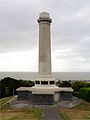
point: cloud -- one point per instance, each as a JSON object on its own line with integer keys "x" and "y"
{"x": 18, "y": 41}
{"x": 70, "y": 29}
{"x": 19, "y": 61}
{"x": 18, "y": 29}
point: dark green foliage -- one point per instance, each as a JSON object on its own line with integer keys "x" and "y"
{"x": 81, "y": 90}
{"x": 78, "y": 84}
{"x": 84, "y": 93}
{"x": 8, "y": 85}
{"x": 88, "y": 85}
{"x": 76, "y": 94}
{"x": 26, "y": 83}
{"x": 63, "y": 84}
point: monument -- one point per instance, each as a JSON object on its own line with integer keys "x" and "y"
{"x": 45, "y": 78}
{"x": 45, "y": 90}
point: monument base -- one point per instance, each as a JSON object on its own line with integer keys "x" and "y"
{"x": 44, "y": 96}
{"x": 42, "y": 99}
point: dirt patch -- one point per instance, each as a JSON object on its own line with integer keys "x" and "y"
{"x": 77, "y": 114}
{"x": 80, "y": 112}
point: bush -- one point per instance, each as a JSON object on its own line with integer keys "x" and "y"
{"x": 76, "y": 94}
{"x": 84, "y": 93}
{"x": 88, "y": 85}
{"x": 63, "y": 84}
{"x": 78, "y": 84}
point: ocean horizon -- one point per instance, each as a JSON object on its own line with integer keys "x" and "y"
{"x": 56, "y": 75}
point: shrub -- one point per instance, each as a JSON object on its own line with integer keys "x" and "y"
{"x": 78, "y": 84}
{"x": 63, "y": 84}
{"x": 76, "y": 94}
{"x": 84, "y": 93}
{"x": 88, "y": 85}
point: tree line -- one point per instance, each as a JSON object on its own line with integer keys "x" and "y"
{"x": 9, "y": 85}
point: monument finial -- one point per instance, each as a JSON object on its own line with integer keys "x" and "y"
{"x": 44, "y": 16}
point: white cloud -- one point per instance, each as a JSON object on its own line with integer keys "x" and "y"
{"x": 19, "y": 61}
{"x": 70, "y": 34}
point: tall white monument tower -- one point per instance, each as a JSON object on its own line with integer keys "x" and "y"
{"x": 44, "y": 44}
{"x": 45, "y": 91}
{"x": 45, "y": 72}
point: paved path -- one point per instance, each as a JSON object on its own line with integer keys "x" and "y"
{"x": 51, "y": 114}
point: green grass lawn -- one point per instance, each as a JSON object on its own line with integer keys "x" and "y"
{"x": 4, "y": 100}
{"x": 25, "y": 114}
{"x": 6, "y": 113}
{"x": 80, "y": 112}
{"x": 83, "y": 106}
{"x": 63, "y": 115}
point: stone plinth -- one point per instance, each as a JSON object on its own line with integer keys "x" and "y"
{"x": 45, "y": 95}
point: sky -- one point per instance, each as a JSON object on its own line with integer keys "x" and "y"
{"x": 70, "y": 34}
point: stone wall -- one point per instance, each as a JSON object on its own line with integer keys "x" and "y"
{"x": 24, "y": 95}
{"x": 65, "y": 95}
{"x": 42, "y": 99}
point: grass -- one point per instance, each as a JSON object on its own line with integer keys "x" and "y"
{"x": 83, "y": 106}
{"x": 25, "y": 114}
{"x": 5, "y": 100}
{"x": 64, "y": 116}
{"x": 6, "y": 113}
{"x": 80, "y": 112}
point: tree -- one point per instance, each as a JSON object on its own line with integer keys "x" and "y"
{"x": 65, "y": 84}
{"x": 88, "y": 85}
{"x": 26, "y": 83}
{"x": 78, "y": 84}
{"x": 8, "y": 85}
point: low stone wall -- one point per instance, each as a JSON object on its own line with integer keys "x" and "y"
{"x": 24, "y": 95}
{"x": 35, "y": 98}
{"x": 42, "y": 99}
{"x": 65, "y": 95}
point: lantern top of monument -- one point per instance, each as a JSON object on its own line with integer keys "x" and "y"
{"x": 44, "y": 15}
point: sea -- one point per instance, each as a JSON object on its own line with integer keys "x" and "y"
{"x": 58, "y": 75}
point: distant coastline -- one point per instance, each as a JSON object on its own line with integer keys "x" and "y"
{"x": 57, "y": 75}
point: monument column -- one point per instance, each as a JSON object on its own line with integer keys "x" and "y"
{"x": 44, "y": 44}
